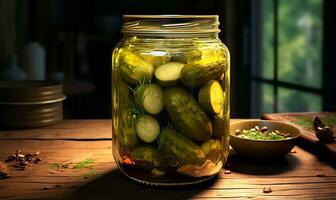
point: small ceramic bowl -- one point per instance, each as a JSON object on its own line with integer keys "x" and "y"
{"x": 263, "y": 149}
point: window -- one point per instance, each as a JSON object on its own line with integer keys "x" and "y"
{"x": 287, "y": 61}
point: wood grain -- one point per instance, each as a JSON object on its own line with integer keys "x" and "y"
{"x": 306, "y": 134}
{"x": 293, "y": 177}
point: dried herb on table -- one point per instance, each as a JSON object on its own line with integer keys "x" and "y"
{"x": 87, "y": 163}
{"x": 267, "y": 190}
{"x": 320, "y": 175}
{"x": 3, "y": 175}
{"x": 3, "y": 171}
{"x": 90, "y": 174}
{"x": 24, "y": 161}
{"x": 59, "y": 166}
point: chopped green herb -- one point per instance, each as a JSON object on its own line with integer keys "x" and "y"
{"x": 87, "y": 163}
{"x": 90, "y": 174}
{"x": 58, "y": 166}
{"x": 261, "y": 134}
{"x": 55, "y": 166}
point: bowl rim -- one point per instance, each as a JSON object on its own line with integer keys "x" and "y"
{"x": 267, "y": 121}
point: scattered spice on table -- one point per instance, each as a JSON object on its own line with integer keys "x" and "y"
{"x": 3, "y": 171}
{"x": 4, "y": 175}
{"x": 59, "y": 166}
{"x": 293, "y": 151}
{"x": 267, "y": 190}
{"x": 320, "y": 175}
{"x": 47, "y": 188}
{"x": 227, "y": 172}
{"x": 90, "y": 174}
{"x": 23, "y": 161}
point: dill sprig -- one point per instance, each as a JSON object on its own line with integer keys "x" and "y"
{"x": 139, "y": 92}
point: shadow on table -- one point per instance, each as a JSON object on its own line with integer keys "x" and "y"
{"x": 114, "y": 185}
{"x": 240, "y": 164}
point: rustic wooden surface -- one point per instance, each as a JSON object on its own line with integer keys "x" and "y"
{"x": 292, "y": 177}
{"x": 306, "y": 134}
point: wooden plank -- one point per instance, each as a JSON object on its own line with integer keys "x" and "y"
{"x": 307, "y": 134}
{"x": 67, "y": 129}
{"x": 292, "y": 177}
{"x": 298, "y": 181}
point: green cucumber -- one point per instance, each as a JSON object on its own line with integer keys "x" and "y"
{"x": 132, "y": 67}
{"x": 147, "y": 128}
{"x": 178, "y": 149}
{"x": 218, "y": 124}
{"x": 150, "y": 98}
{"x": 211, "y": 146}
{"x": 146, "y": 157}
{"x": 213, "y": 150}
{"x": 124, "y": 125}
{"x": 187, "y": 115}
{"x": 213, "y": 55}
{"x": 211, "y": 97}
{"x": 168, "y": 74}
{"x": 196, "y": 74}
{"x": 127, "y": 136}
{"x": 187, "y": 57}
{"x": 156, "y": 58}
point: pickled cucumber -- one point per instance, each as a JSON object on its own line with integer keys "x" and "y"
{"x": 156, "y": 58}
{"x": 196, "y": 74}
{"x": 188, "y": 56}
{"x": 211, "y": 97}
{"x": 126, "y": 133}
{"x": 213, "y": 150}
{"x": 168, "y": 74}
{"x": 146, "y": 157}
{"x": 178, "y": 149}
{"x": 213, "y": 55}
{"x": 133, "y": 68}
{"x": 211, "y": 146}
{"x": 218, "y": 124}
{"x": 150, "y": 98}
{"x": 147, "y": 128}
{"x": 187, "y": 115}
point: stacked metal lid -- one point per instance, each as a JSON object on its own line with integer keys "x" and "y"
{"x": 30, "y": 104}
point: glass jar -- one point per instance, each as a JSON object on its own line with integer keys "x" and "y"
{"x": 170, "y": 99}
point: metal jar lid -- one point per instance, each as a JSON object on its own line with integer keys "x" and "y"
{"x": 30, "y": 92}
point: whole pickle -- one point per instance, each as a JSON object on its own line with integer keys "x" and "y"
{"x": 133, "y": 68}
{"x": 146, "y": 157}
{"x": 187, "y": 115}
{"x": 178, "y": 149}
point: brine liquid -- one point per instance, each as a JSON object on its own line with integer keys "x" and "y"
{"x": 192, "y": 141}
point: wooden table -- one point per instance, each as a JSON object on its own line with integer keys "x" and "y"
{"x": 295, "y": 176}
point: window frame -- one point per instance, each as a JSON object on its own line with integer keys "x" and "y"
{"x": 256, "y": 62}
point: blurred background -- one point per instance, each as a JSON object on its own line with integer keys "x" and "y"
{"x": 282, "y": 51}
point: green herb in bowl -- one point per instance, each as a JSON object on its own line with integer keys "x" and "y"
{"x": 257, "y": 133}
{"x": 273, "y": 140}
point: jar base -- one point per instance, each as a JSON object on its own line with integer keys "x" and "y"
{"x": 164, "y": 180}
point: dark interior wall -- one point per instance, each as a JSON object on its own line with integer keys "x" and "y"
{"x": 80, "y": 34}
{"x": 329, "y": 54}
{"x": 91, "y": 17}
